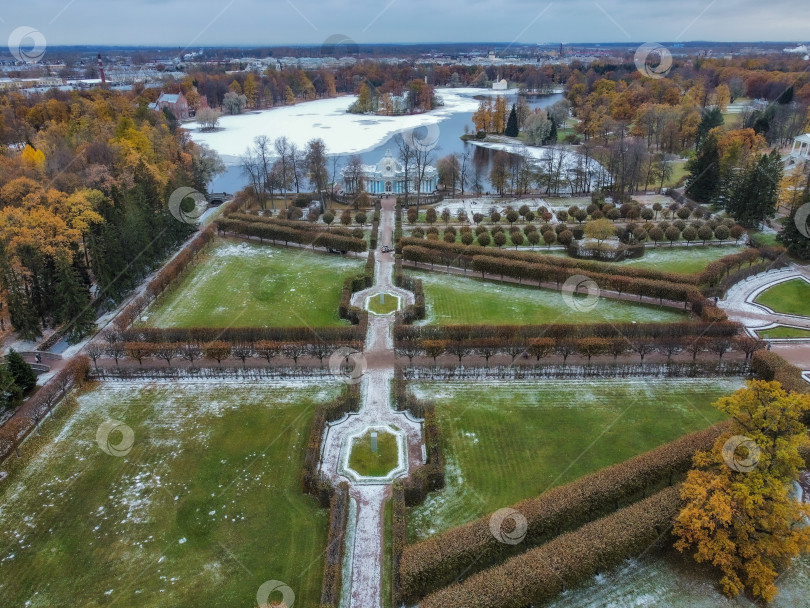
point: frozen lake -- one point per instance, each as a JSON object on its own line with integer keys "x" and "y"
{"x": 346, "y": 134}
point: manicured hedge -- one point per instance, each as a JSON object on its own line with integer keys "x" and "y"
{"x": 275, "y": 232}
{"x": 416, "y": 311}
{"x": 456, "y": 254}
{"x": 399, "y": 534}
{"x": 312, "y": 481}
{"x": 767, "y": 365}
{"x": 294, "y": 224}
{"x": 333, "y": 563}
{"x": 560, "y": 331}
{"x": 436, "y": 562}
{"x": 567, "y": 561}
{"x": 246, "y": 335}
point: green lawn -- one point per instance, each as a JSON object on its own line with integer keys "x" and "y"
{"x": 791, "y": 297}
{"x": 242, "y": 284}
{"x": 685, "y": 260}
{"x": 374, "y": 464}
{"x": 510, "y": 440}
{"x": 783, "y": 331}
{"x": 452, "y": 299}
{"x": 765, "y": 238}
{"x": 383, "y": 304}
{"x": 205, "y": 507}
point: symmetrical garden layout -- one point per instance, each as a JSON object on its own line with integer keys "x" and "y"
{"x": 276, "y": 423}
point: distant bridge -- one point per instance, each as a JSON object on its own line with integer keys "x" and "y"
{"x": 46, "y": 360}
{"x": 217, "y": 198}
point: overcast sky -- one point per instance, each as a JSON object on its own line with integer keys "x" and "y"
{"x": 195, "y": 23}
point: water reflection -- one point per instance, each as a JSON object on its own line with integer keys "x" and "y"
{"x": 449, "y": 141}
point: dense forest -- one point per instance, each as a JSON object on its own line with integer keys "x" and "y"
{"x": 84, "y": 180}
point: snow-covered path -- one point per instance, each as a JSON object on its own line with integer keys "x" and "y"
{"x": 364, "y": 570}
{"x": 739, "y": 303}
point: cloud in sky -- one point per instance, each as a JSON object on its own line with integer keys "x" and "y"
{"x": 196, "y": 23}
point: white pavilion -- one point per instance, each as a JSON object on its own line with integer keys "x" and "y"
{"x": 388, "y": 177}
{"x": 800, "y": 152}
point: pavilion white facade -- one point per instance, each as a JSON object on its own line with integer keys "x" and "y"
{"x": 800, "y": 152}
{"x": 388, "y": 177}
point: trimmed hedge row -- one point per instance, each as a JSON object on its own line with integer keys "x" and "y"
{"x": 165, "y": 277}
{"x": 455, "y": 254}
{"x": 312, "y": 481}
{"x": 430, "y": 476}
{"x": 715, "y": 271}
{"x": 416, "y": 311}
{"x": 246, "y": 335}
{"x": 560, "y": 331}
{"x": 448, "y": 253}
{"x": 661, "y": 289}
{"x": 542, "y": 573}
{"x": 15, "y": 430}
{"x": 399, "y": 537}
{"x": 333, "y": 563}
{"x": 436, "y": 562}
{"x": 273, "y": 232}
{"x": 769, "y": 366}
{"x": 351, "y": 286}
{"x": 375, "y": 233}
{"x": 293, "y": 224}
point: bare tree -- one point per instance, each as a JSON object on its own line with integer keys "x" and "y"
{"x": 297, "y": 168}
{"x": 423, "y": 156}
{"x": 463, "y": 169}
{"x": 354, "y": 175}
{"x": 316, "y": 166}
{"x": 405, "y": 153}
{"x": 282, "y": 145}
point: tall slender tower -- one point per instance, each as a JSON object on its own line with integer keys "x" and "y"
{"x": 101, "y": 71}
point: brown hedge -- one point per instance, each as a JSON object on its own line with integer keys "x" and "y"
{"x": 312, "y": 481}
{"x": 540, "y": 574}
{"x": 399, "y": 537}
{"x": 333, "y": 562}
{"x": 273, "y": 232}
{"x": 768, "y": 365}
{"x": 564, "y": 331}
{"x": 436, "y": 562}
{"x": 247, "y": 335}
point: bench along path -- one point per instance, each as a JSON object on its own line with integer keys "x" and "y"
{"x": 363, "y": 570}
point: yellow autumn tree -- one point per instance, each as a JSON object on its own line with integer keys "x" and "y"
{"x": 740, "y": 514}
{"x": 251, "y": 90}
{"x": 33, "y": 158}
{"x": 792, "y": 186}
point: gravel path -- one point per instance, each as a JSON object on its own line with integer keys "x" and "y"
{"x": 376, "y": 410}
